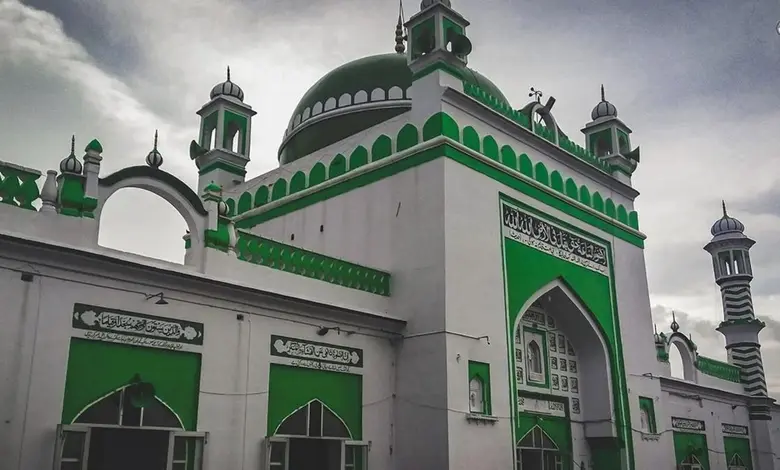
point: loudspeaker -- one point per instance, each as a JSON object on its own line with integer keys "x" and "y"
{"x": 459, "y": 44}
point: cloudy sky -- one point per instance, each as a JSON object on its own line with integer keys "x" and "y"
{"x": 696, "y": 81}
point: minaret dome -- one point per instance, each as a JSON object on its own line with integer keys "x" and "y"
{"x": 727, "y": 225}
{"x": 604, "y": 108}
{"x": 227, "y": 88}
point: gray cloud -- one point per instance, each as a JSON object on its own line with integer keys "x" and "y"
{"x": 89, "y": 23}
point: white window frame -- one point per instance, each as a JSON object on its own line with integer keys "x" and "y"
{"x": 200, "y": 456}
{"x": 267, "y": 443}
{"x": 62, "y": 430}
{"x": 345, "y": 445}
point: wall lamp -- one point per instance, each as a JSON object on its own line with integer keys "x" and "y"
{"x": 324, "y": 330}
{"x": 160, "y": 301}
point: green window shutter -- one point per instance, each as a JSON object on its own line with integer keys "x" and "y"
{"x": 648, "y": 406}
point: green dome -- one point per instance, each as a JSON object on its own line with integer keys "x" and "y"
{"x": 378, "y": 83}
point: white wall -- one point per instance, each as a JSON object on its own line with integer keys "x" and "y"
{"x": 224, "y": 411}
{"x": 713, "y": 407}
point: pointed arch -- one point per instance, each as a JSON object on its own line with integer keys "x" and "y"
{"x": 165, "y": 185}
{"x": 94, "y": 412}
{"x": 314, "y": 419}
{"x": 537, "y": 438}
{"x": 593, "y": 351}
{"x": 691, "y": 462}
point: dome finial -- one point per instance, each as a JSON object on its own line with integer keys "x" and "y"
{"x": 723, "y": 202}
{"x": 675, "y": 326}
{"x": 154, "y": 159}
{"x": 73, "y": 144}
{"x": 400, "y": 48}
{"x": 602, "y": 93}
{"x": 228, "y": 73}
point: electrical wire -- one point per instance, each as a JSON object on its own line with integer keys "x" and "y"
{"x": 386, "y": 335}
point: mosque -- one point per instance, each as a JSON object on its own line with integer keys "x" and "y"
{"x": 431, "y": 279}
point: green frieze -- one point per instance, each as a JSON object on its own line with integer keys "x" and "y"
{"x": 718, "y": 369}
{"x": 438, "y": 125}
{"x": 542, "y": 131}
{"x": 276, "y": 255}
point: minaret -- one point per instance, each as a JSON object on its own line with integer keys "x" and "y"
{"x": 222, "y": 150}
{"x": 730, "y": 251}
{"x": 437, "y": 51}
{"x": 607, "y": 137}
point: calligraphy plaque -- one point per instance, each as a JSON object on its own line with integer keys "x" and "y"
{"x": 119, "y": 326}
{"x": 686, "y": 424}
{"x": 551, "y": 239}
{"x": 734, "y": 429}
{"x": 305, "y": 352}
{"x": 540, "y": 406}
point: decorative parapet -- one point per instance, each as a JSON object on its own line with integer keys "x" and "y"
{"x": 440, "y": 124}
{"x": 258, "y": 250}
{"x": 662, "y": 355}
{"x": 718, "y": 369}
{"x": 18, "y": 185}
{"x": 542, "y": 131}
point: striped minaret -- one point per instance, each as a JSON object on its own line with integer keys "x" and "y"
{"x": 730, "y": 250}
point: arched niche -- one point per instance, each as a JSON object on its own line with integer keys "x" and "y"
{"x": 592, "y": 351}
{"x": 314, "y": 420}
{"x": 687, "y": 353}
{"x": 171, "y": 189}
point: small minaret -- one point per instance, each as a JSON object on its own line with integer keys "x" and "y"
{"x": 730, "y": 251}
{"x": 437, "y": 53}
{"x": 222, "y": 150}
{"x": 437, "y": 38}
{"x": 607, "y": 137}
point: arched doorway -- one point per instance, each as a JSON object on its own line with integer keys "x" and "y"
{"x": 127, "y": 429}
{"x": 314, "y": 437}
{"x": 556, "y": 345}
{"x": 537, "y": 451}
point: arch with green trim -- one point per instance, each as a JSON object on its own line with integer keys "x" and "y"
{"x": 295, "y": 392}
{"x": 582, "y": 299}
{"x": 314, "y": 419}
{"x": 130, "y": 405}
{"x": 99, "y": 372}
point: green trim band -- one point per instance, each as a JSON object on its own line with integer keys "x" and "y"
{"x": 473, "y": 160}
